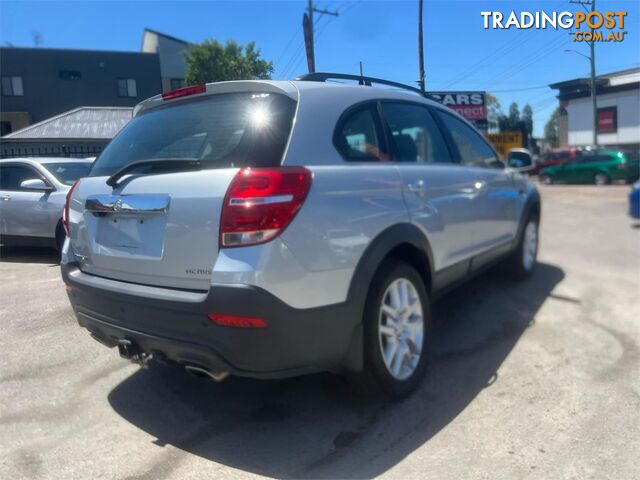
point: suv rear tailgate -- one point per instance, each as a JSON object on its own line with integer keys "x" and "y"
{"x": 157, "y": 230}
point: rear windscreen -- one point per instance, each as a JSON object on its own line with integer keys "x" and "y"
{"x": 228, "y": 130}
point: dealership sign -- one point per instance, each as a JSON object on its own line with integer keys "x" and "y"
{"x": 470, "y": 105}
{"x": 607, "y": 120}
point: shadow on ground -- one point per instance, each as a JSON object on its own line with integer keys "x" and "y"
{"x": 29, "y": 255}
{"x": 314, "y": 426}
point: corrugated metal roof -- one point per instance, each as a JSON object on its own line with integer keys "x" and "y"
{"x": 82, "y": 122}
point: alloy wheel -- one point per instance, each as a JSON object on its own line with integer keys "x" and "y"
{"x": 530, "y": 245}
{"x": 401, "y": 328}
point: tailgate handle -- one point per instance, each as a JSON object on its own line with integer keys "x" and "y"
{"x": 150, "y": 204}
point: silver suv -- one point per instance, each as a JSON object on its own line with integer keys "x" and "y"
{"x": 275, "y": 228}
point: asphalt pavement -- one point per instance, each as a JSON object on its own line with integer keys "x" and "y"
{"x": 539, "y": 379}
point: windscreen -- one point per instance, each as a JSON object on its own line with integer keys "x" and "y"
{"x": 227, "y": 130}
{"x": 68, "y": 172}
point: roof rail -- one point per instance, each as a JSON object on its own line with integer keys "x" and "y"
{"x": 362, "y": 80}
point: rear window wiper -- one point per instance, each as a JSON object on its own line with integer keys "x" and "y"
{"x": 174, "y": 163}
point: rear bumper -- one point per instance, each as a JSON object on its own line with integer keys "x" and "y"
{"x": 295, "y": 342}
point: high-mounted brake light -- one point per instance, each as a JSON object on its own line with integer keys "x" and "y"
{"x": 184, "y": 91}
{"x": 260, "y": 204}
{"x": 236, "y": 321}
{"x": 65, "y": 212}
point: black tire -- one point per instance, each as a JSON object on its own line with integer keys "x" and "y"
{"x": 60, "y": 237}
{"x": 376, "y": 378}
{"x": 601, "y": 178}
{"x": 546, "y": 179}
{"x": 515, "y": 265}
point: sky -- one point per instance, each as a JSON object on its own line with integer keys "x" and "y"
{"x": 515, "y": 65}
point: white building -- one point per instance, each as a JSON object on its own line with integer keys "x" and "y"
{"x": 618, "y": 104}
{"x": 170, "y": 50}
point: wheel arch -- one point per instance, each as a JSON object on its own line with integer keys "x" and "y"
{"x": 403, "y": 241}
{"x": 532, "y": 207}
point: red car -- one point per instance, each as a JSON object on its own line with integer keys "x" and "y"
{"x": 557, "y": 157}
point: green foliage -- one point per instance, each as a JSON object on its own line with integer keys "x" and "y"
{"x": 210, "y": 61}
{"x": 514, "y": 114}
{"x": 527, "y": 118}
{"x": 552, "y": 129}
{"x": 494, "y": 111}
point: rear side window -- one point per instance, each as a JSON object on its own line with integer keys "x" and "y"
{"x": 414, "y": 134}
{"x": 473, "y": 149}
{"x": 358, "y": 137}
{"x": 227, "y": 130}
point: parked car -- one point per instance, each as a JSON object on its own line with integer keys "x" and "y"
{"x": 550, "y": 159}
{"x": 32, "y": 197}
{"x": 598, "y": 166}
{"x": 634, "y": 201}
{"x": 273, "y": 228}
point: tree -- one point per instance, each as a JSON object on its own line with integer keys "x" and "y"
{"x": 511, "y": 122}
{"x": 527, "y": 118}
{"x": 514, "y": 114}
{"x": 494, "y": 111}
{"x": 210, "y": 61}
{"x": 552, "y": 129}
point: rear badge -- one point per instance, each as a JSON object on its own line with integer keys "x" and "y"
{"x": 198, "y": 271}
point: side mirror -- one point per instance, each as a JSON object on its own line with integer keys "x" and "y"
{"x": 36, "y": 184}
{"x": 520, "y": 161}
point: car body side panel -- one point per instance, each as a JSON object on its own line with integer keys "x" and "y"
{"x": 498, "y": 202}
{"x": 31, "y": 213}
{"x": 313, "y": 261}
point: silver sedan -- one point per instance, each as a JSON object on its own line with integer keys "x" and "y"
{"x": 32, "y": 197}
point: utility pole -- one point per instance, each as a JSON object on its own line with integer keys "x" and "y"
{"x": 420, "y": 50}
{"x": 311, "y": 9}
{"x": 592, "y": 61}
{"x": 594, "y": 104}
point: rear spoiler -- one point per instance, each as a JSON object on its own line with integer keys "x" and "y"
{"x": 237, "y": 86}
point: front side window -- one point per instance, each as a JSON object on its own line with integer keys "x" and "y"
{"x": 11, "y": 176}
{"x": 474, "y": 151}
{"x": 358, "y": 137}
{"x": 68, "y": 172}
{"x": 414, "y": 134}
{"x": 127, "y": 87}
{"x": 12, "y": 86}
{"x": 221, "y": 131}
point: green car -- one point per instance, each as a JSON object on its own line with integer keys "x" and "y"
{"x": 598, "y": 167}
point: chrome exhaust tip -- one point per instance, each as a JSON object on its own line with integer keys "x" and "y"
{"x": 202, "y": 372}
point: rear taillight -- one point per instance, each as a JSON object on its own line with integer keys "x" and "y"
{"x": 65, "y": 212}
{"x": 184, "y": 91}
{"x": 260, "y": 203}
{"x": 237, "y": 321}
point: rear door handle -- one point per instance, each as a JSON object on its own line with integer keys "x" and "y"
{"x": 417, "y": 187}
{"x": 6, "y": 198}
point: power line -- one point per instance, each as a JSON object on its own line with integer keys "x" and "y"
{"x": 519, "y": 89}
{"x": 289, "y": 43}
{"x": 501, "y": 51}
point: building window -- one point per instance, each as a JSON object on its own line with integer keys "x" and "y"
{"x": 12, "y": 87}
{"x": 127, "y": 87}
{"x": 177, "y": 83}
{"x": 70, "y": 75}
